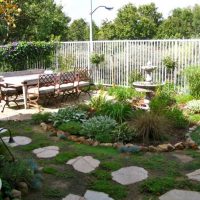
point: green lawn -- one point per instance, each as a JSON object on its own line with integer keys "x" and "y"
{"x": 165, "y": 171}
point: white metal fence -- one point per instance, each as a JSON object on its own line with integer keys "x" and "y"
{"x": 124, "y": 57}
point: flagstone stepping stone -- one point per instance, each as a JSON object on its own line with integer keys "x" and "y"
{"x": 84, "y": 164}
{"x": 180, "y": 195}
{"x": 19, "y": 140}
{"x": 129, "y": 175}
{"x": 93, "y": 195}
{"x": 73, "y": 197}
{"x": 183, "y": 158}
{"x": 194, "y": 175}
{"x": 46, "y": 152}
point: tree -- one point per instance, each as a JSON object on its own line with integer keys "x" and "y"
{"x": 178, "y": 25}
{"x": 137, "y": 23}
{"x": 79, "y": 30}
{"x": 39, "y": 20}
{"x": 196, "y": 21}
{"x": 107, "y": 31}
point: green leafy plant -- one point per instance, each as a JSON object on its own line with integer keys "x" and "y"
{"x": 14, "y": 56}
{"x": 193, "y": 106}
{"x": 118, "y": 111}
{"x": 99, "y": 128}
{"x": 41, "y": 117}
{"x": 65, "y": 63}
{"x": 135, "y": 76}
{"x": 193, "y": 77}
{"x": 124, "y": 134}
{"x": 123, "y": 93}
{"x": 97, "y": 59}
{"x": 97, "y": 102}
{"x": 71, "y": 127}
{"x": 169, "y": 63}
{"x": 151, "y": 127}
{"x": 175, "y": 115}
{"x": 67, "y": 114}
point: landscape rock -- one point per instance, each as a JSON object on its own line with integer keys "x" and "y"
{"x": 73, "y": 197}
{"x": 129, "y": 145}
{"x": 106, "y": 144}
{"x": 144, "y": 149}
{"x": 96, "y": 143}
{"x": 183, "y": 158}
{"x": 170, "y": 147}
{"x": 118, "y": 145}
{"x": 16, "y": 194}
{"x": 93, "y": 195}
{"x": 23, "y": 187}
{"x": 179, "y": 146}
{"x": 44, "y": 126}
{"x": 153, "y": 149}
{"x": 163, "y": 147}
{"x": 73, "y": 138}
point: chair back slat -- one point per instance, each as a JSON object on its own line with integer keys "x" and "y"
{"x": 66, "y": 77}
{"x": 46, "y": 80}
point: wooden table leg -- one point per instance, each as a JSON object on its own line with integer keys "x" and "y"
{"x": 24, "y": 88}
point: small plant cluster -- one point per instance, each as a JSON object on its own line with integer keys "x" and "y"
{"x": 97, "y": 59}
{"x": 193, "y": 77}
{"x": 14, "y": 56}
{"x": 169, "y": 63}
{"x": 193, "y": 106}
{"x": 12, "y": 173}
{"x": 122, "y": 93}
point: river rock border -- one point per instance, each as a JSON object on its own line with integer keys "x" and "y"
{"x": 129, "y": 148}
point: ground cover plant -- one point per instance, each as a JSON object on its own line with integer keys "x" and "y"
{"x": 165, "y": 171}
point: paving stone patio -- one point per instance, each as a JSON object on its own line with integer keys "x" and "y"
{"x": 46, "y": 152}
{"x": 183, "y": 158}
{"x": 19, "y": 140}
{"x": 180, "y": 195}
{"x": 129, "y": 175}
{"x": 194, "y": 175}
{"x": 84, "y": 164}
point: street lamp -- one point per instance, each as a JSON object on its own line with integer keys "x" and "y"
{"x": 91, "y": 13}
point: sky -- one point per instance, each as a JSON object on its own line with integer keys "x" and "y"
{"x": 81, "y": 8}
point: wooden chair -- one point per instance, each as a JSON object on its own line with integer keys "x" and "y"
{"x": 8, "y": 94}
{"x": 65, "y": 86}
{"x": 83, "y": 81}
{"x": 45, "y": 89}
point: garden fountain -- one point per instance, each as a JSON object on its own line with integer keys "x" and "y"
{"x": 147, "y": 86}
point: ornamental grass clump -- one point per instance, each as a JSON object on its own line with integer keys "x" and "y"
{"x": 151, "y": 127}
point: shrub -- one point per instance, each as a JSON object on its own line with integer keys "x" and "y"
{"x": 20, "y": 170}
{"x": 194, "y": 106}
{"x": 118, "y": 111}
{"x": 98, "y": 102}
{"x": 68, "y": 114}
{"x": 97, "y": 59}
{"x": 135, "y": 76}
{"x": 169, "y": 63}
{"x": 71, "y": 127}
{"x": 123, "y": 93}
{"x": 151, "y": 126}
{"x": 193, "y": 77}
{"x": 175, "y": 115}
{"x": 124, "y": 134}
{"x": 41, "y": 117}
{"x": 99, "y": 128}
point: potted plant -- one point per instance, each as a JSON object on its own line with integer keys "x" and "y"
{"x": 169, "y": 63}
{"x": 97, "y": 59}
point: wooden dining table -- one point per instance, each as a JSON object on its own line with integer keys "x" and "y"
{"x": 22, "y": 81}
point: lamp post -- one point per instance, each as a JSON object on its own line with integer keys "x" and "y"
{"x": 91, "y": 13}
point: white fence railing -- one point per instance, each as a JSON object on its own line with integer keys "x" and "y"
{"x": 124, "y": 57}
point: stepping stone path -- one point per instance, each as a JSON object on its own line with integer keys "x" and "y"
{"x": 180, "y": 195}
{"x": 19, "y": 140}
{"x": 89, "y": 195}
{"x": 84, "y": 164}
{"x": 129, "y": 175}
{"x": 183, "y": 158}
{"x": 194, "y": 175}
{"x": 46, "y": 152}
{"x": 73, "y": 197}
